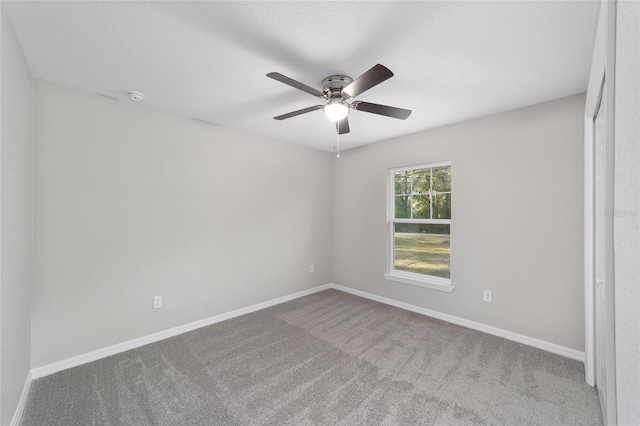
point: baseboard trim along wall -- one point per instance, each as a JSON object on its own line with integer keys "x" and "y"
{"x": 141, "y": 341}
{"x": 48, "y": 369}
{"x": 530, "y": 341}
{"x": 22, "y": 402}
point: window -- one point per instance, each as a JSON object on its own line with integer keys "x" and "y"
{"x": 420, "y": 226}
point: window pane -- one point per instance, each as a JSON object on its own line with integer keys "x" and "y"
{"x": 421, "y": 206}
{"x": 403, "y": 183}
{"x": 442, "y": 206}
{"x": 403, "y": 207}
{"x": 423, "y": 249}
{"x": 421, "y": 181}
{"x": 442, "y": 179}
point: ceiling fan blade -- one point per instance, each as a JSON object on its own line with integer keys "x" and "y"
{"x": 293, "y": 83}
{"x": 343, "y": 126}
{"x": 389, "y": 111}
{"x": 298, "y": 112}
{"x": 366, "y": 81}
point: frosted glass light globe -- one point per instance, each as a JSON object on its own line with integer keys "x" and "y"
{"x": 336, "y": 110}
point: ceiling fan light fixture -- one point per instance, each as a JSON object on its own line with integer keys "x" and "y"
{"x": 336, "y": 109}
{"x": 339, "y": 91}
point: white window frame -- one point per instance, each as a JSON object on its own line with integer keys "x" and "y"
{"x": 392, "y": 274}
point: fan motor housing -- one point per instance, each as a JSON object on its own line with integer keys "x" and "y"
{"x": 332, "y": 86}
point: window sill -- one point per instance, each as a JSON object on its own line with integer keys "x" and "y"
{"x": 435, "y": 283}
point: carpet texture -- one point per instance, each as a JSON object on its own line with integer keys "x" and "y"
{"x": 327, "y": 358}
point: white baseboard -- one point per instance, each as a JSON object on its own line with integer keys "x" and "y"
{"x": 17, "y": 415}
{"x": 151, "y": 338}
{"x": 64, "y": 364}
{"x": 530, "y": 341}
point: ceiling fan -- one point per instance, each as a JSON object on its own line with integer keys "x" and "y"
{"x": 339, "y": 91}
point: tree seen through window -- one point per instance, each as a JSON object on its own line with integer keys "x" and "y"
{"x": 422, "y": 220}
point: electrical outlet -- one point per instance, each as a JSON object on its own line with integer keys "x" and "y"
{"x": 157, "y": 302}
{"x": 311, "y": 268}
{"x": 488, "y": 296}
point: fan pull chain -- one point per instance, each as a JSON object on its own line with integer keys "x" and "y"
{"x": 336, "y": 146}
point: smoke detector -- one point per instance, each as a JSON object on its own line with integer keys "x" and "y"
{"x": 135, "y": 96}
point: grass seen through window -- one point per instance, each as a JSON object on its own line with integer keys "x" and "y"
{"x": 421, "y": 223}
{"x": 423, "y": 253}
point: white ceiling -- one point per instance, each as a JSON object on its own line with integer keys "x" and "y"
{"x": 452, "y": 61}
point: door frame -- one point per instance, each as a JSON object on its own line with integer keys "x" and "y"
{"x": 601, "y": 78}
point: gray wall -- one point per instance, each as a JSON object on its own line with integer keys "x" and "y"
{"x": 517, "y": 220}
{"x": 16, "y": 272}
{"x": 627, "y": 212}
{"x": 133, "y": 202}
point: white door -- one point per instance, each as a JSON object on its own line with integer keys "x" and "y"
{"x": 604, "y": 327}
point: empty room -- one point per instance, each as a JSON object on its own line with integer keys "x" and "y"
{"x": 320, "y": 213}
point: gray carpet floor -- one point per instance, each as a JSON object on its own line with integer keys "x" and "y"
{"x": 327, "y": 358}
